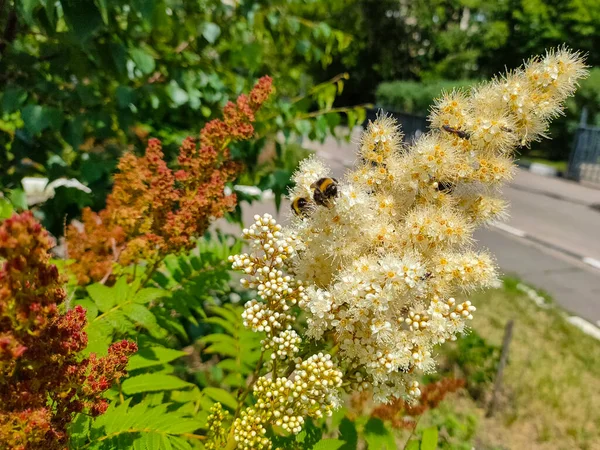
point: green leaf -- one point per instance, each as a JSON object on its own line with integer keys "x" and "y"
{"x": 125, "y": 96}
{"x": 221, "y": 322}
{"x": 108, "y": 297}
{"x": 348, "y": 434}
{"x": 430, "y": 439}
{"x": 221, "y": 396}
{"x": 18, "y": 198}
{"x": 378, "y": 437}
{"x": 140, "y": 315}
{"x": 148, "y": 295}
{"x": 153, "y": 356}
{"x": 12, "y": 99}
{"x": 412, "y": 445}
{"x": 142, "y": 426}
{"x": 103, "y": 7}
{"x": 328, "y": 444}
{"x": 99, "y": 337}
{"x": 177, "y": 95}
{"x": 150, "y": 382}
{"x": 34, "y": 119}
{"x": 211, "y": 32}
{"x": 83, "y": 17}
{"x": 6, "y": 208}
{"x": 27, "y": 8}
{"x": 143, "y": 60}
{"x": 145, "y": 7}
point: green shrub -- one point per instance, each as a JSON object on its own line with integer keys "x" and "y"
{"x": 82, "y": 81}
{"x": 414, "y": 97}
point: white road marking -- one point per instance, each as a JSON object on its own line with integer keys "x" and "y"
{"x": 585, "y": 326}
{"x": 507, "y": 228}
{"x": 592, "y": 262}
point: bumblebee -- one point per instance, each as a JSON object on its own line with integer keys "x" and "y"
{"x": 445, "y": 186}
{"x": 460, "y": 133}
{"x": 325, "y": 189}
{"x": 300, "y": 206}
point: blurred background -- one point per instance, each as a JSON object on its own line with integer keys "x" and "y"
{"x": 82, "y": 81}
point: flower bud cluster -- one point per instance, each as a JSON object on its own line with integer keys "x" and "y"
{"x": 284, "y": 345}
{"x": 249, "y": 431}
{"x": 264, "y": 271}
{"x": 311, "y": 390}
{"x": 216, "y": 434}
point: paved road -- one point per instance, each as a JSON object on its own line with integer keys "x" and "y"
{"x": 559, "y": 225}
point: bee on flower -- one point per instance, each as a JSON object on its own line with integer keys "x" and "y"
{"x": 382, "y": 260}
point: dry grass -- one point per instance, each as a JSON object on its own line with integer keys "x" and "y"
{"x": 551, "y": 395}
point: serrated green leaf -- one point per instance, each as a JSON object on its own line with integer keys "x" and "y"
{"x": 148, "y": 295}
{"x": 328, "y": 444}
{"x": 99, "y": 337}
{"x": 222, "y": 348}
{"x": 226, "y": 313}
{"x": 412, "y": 445}
{"x": 149, "y": 382}
{"x": 228, "y": 326}
{"x": 180, "y": 444}
{"x": 108, "y": 297}
{"x": 221, "y": 396}
{"x": 140, "y": 315}
{"x": 142, "y": 426}
{"x": 151, "y": 441}
{"x": 228, "y": 364}
{"x": 429, "y": 440}
{"x": 153, "y": 356}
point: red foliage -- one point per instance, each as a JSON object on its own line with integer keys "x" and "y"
{"x": 153, "y": 210}
{"x": 43, "y": 382}
{"x": 401, "y": 414}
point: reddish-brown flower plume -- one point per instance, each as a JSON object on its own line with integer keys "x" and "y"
{"x": 43, "y": 382}
{"x": 153, "y": 210}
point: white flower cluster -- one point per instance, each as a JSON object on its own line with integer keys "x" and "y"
{"x": 377, "y": 259}
{"x": 384, "y": 259}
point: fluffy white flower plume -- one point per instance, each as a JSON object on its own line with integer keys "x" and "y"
{"x": 382, "y": 260}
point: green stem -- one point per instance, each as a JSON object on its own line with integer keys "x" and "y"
{"x": 231, "y": 444}
{"x": 412, "y": 432}
{"x": 150, "y": 271}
